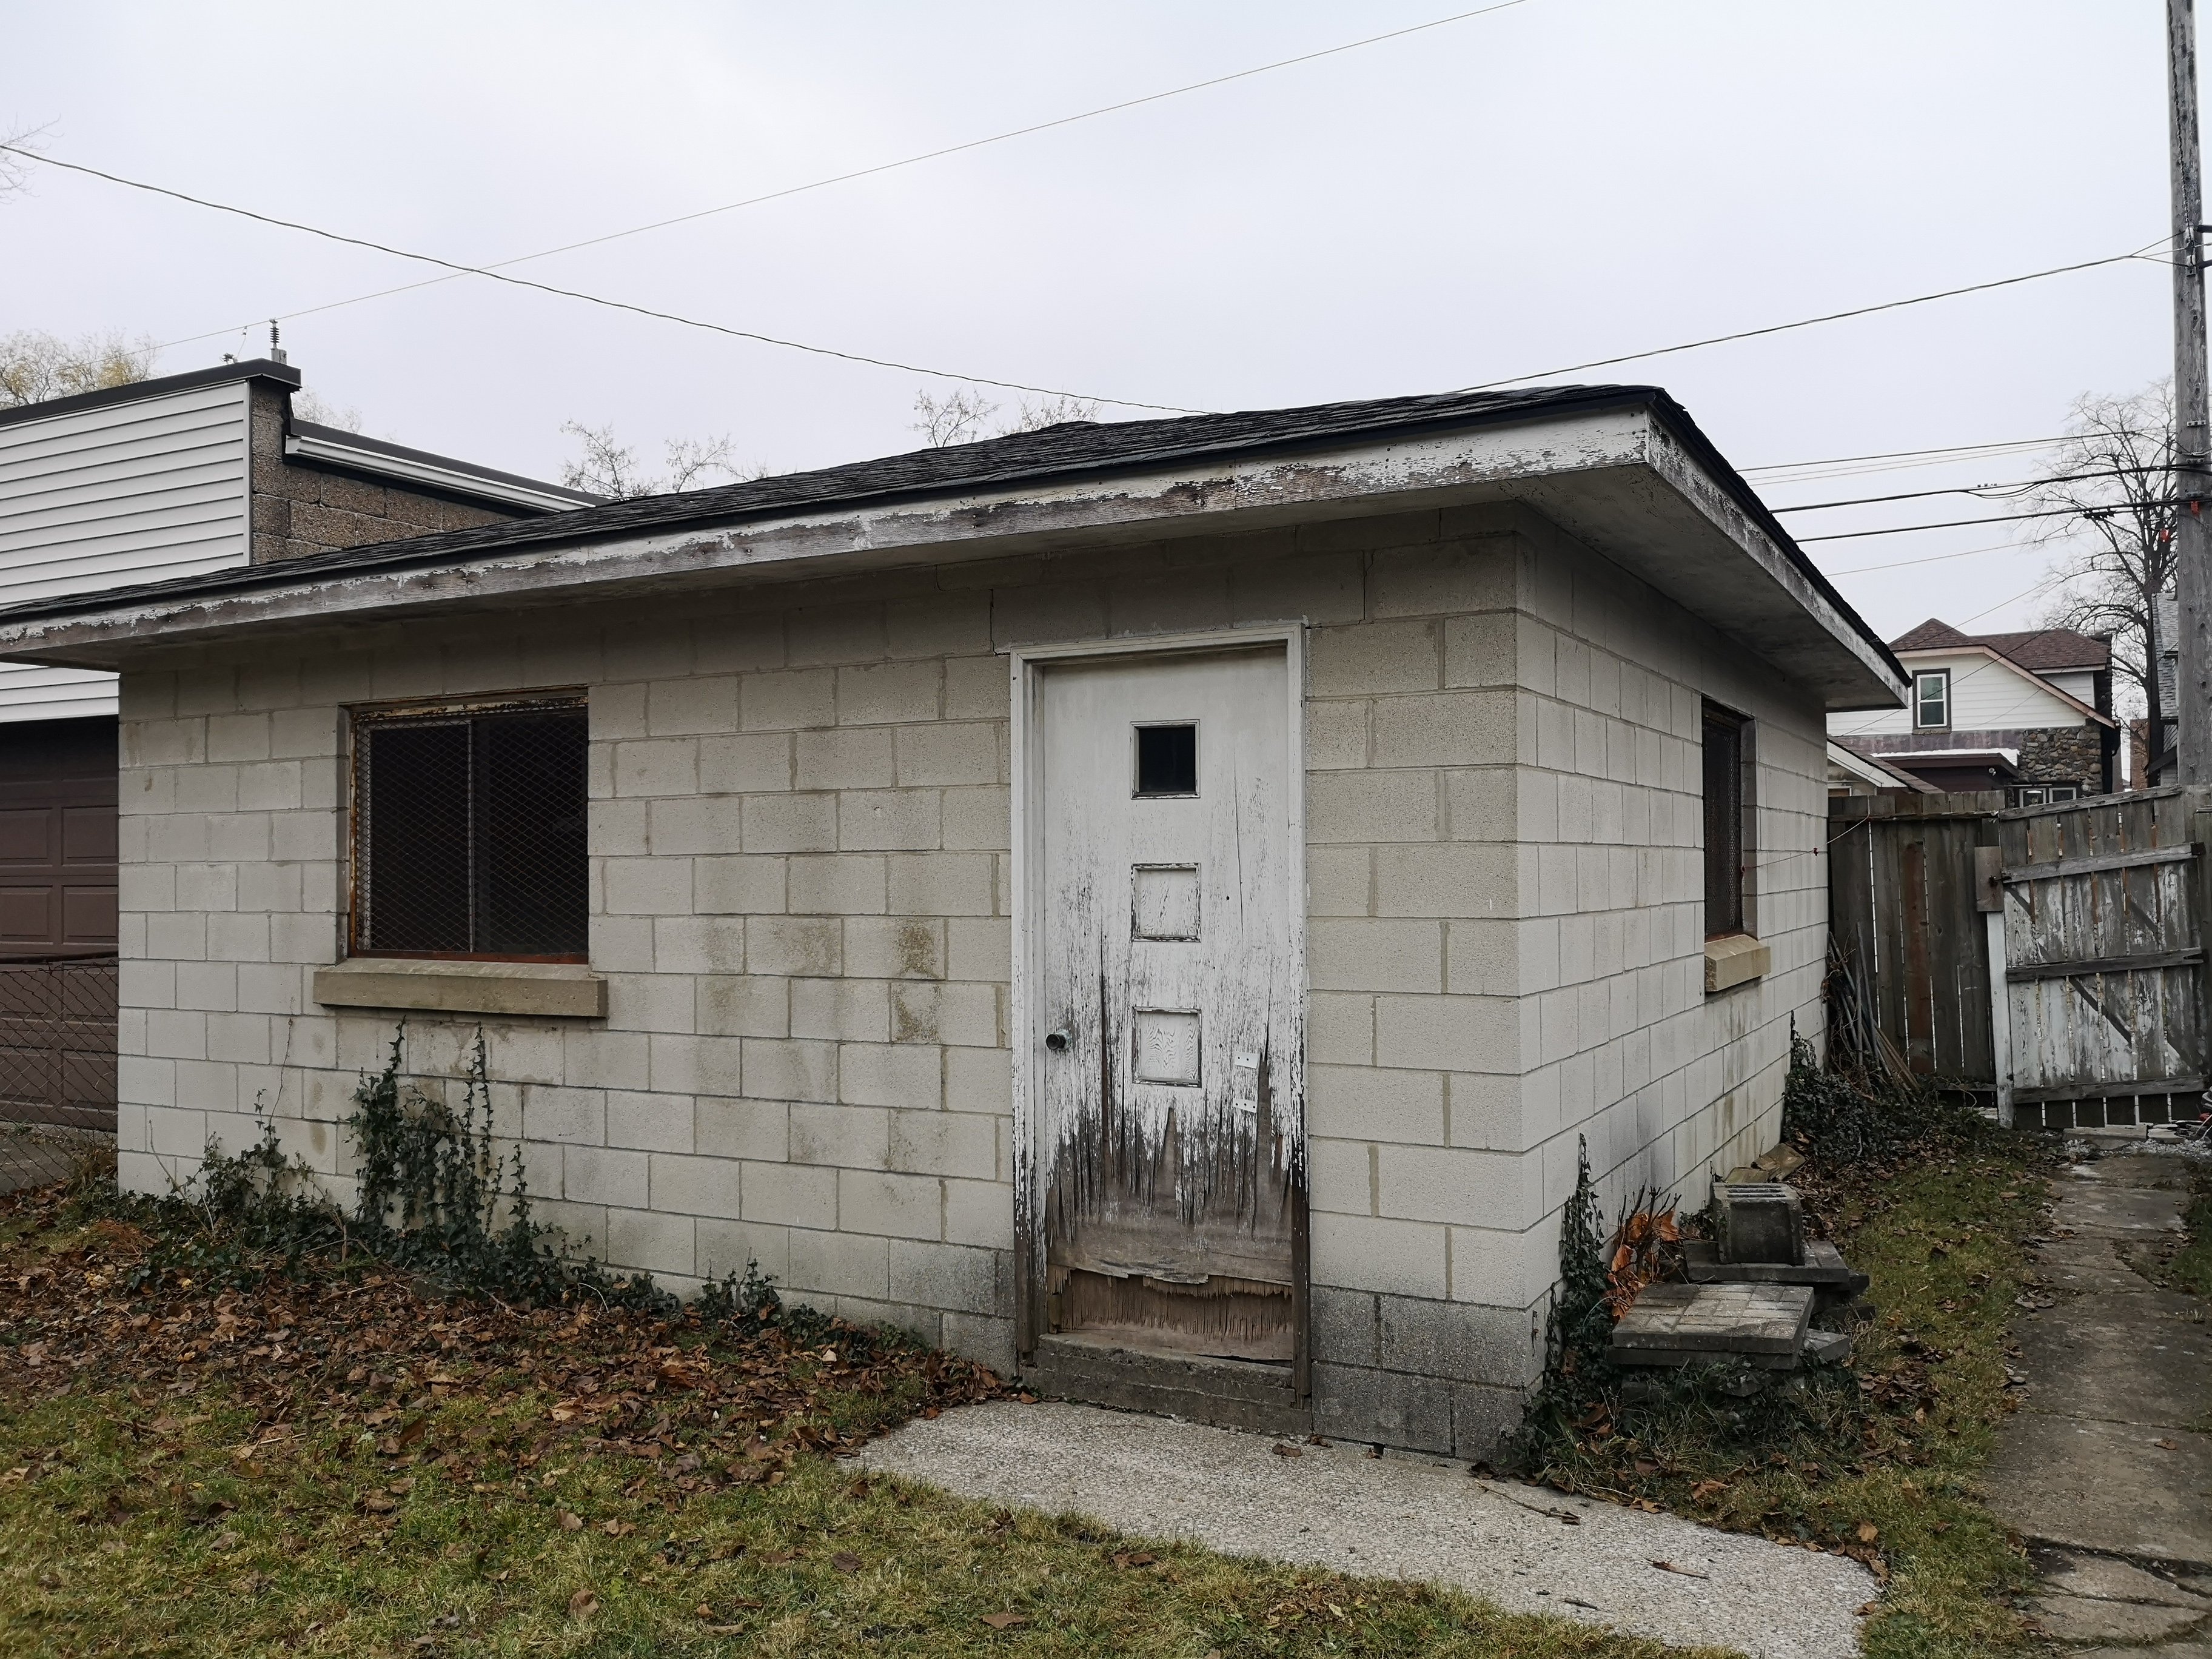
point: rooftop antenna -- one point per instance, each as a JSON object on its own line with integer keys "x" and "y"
{"x": 275, "y": 352}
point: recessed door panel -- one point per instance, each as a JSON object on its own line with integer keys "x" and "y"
{"x": 26, "y": 835}
{"x": 1172, "y": 1089}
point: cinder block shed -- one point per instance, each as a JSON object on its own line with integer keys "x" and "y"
{"x": 1154, "y": 905}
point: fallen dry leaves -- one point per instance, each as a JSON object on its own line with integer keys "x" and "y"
{"x": 373, "y": 1348}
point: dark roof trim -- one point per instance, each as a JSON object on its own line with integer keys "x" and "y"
{"x": 1072, "y": 451}
{"x": 260, "y": 369}
{"x": 423, "y": 458}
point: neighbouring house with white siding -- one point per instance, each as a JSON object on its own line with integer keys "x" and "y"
{"x": 2028, "y": 713}
{"x": 1157, "y": 905}
{"x": 162, "y": 480}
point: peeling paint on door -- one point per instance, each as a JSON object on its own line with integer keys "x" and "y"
{"x": 1168, "y": 1002}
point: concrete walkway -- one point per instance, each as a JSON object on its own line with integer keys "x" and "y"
{"x": 1527, "y": 1549}
{"x": 2101, "y": 1470}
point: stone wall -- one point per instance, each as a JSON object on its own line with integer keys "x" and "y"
{"x": 801, "y": 903}
{"x": 299, "y": 510}
{"x": 2064, "y": 754}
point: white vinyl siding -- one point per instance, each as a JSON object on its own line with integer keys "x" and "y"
{"x": 2075, "y": 682}
{"x": 109, "y": 497}
{"x": 1986, "y": 696}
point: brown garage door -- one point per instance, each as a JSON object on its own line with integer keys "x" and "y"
{"x": 58, "y": 838}
{"x": 58, "y": 923}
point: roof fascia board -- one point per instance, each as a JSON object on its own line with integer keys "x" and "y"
{"x": 281, "y": 374}
{"x": 1545, "y": 456}
{"x": 344, "y": 452}
{"x": 1996, "y": 656}
{"x": 839, "y": 539}
{"x": 1875, "y": 771}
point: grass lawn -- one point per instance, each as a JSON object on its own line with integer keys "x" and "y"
{"x": 2186, "y": 1266}
{"x": 1877, "y": 1460}
{"x": 338, "y": 1461}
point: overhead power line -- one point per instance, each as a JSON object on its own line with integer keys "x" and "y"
{"x": 1906, "y": 454}
{"x": 1812, "y": 322}
{"x": 485, "y": 271}
{"x": 1968, "y": 490}
{"x": 1814, "y": 474}
{"x": 1945, "y": 524}
{"x": 1929, "y": 558}
{"x": 891, "y": 167}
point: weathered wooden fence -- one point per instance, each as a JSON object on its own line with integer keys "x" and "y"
{"x": 1904, "y": 928}
{"x": 2051, "y": 957}
{"x": 2104, "y": 907}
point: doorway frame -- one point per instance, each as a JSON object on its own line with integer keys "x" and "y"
{"x": 1024, "y": 1028}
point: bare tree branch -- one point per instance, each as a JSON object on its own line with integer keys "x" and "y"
{"x": 15, "y": 170}
{"x": 610, "y": 469}
{"x": 1052, "y": 411}
{"x": 956, "y": 419}
{"x": 2112, "y": 531}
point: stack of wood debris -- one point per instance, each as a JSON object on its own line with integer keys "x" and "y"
{"x": 1752, "y": 1288}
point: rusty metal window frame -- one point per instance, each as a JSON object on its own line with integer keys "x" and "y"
{"x": 363, "y": 723}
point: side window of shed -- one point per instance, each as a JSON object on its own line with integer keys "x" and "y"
{"x": 469, "y": 832}
{"x": 1725, "y": 805}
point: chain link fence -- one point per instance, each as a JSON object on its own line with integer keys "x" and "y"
{"x": 57, "y": 1067}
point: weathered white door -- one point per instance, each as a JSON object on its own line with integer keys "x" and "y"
{"x": 1168, "y": 1011}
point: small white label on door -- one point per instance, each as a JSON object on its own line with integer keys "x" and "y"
{"x": 1163, "y": 902}
{"x": 1167, "y": 1047}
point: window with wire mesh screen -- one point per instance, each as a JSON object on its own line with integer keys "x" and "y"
{"x": 469, "y": 832}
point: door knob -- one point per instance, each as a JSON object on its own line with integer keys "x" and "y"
{"x": 1057, "y": 1041}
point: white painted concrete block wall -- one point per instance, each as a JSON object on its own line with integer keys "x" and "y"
{"x": 799, "y": 898}
{"x": 1505, "y": 814}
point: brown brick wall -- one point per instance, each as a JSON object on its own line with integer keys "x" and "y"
{"x": 298, "y": 510}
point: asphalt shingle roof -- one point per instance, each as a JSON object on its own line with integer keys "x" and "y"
{"x": 2036, "y": 649}
{"x": 1071, "y": 450}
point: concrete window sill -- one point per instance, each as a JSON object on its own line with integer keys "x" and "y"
{"x": 559, "y": 989}
{"x": 1735, "y": 959}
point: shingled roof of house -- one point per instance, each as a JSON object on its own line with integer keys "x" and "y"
{"x": 1070, "y": 450}
{"x": 2035, "y": 649}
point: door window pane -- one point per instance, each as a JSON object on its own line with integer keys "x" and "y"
{"x": 1167, "y": 760}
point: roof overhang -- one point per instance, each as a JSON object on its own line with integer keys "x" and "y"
{"x": 1941, "y": 760}
{"x": 280, "y": 376}
{"x": 1624, "y": 480}
{"x": 1869, "y": 770}
{"x": 331, "y": 449}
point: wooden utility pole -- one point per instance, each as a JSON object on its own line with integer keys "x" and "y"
{"x": 2192, "y": 469}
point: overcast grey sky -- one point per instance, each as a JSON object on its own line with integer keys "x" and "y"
{"x": 1562, "y": 180}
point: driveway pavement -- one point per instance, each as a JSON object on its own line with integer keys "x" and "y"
{"x": 1526, "y": 1549}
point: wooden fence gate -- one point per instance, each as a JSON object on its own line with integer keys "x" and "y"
{"x": 2103, "y": 906}
{"x": 1904, "y": 931}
